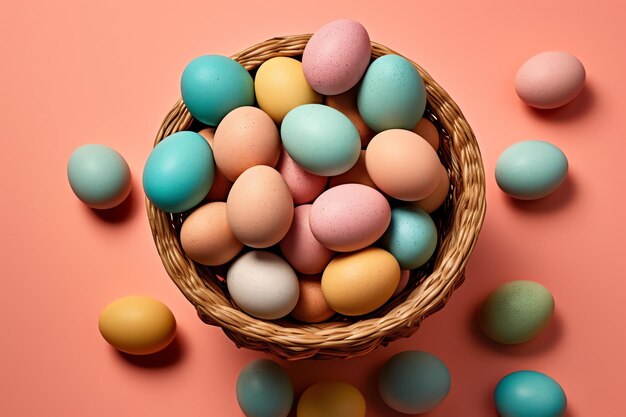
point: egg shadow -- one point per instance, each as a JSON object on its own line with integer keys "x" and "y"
{"x": 577, "y": 108}
{"x": 560, "y": 198}
{"x": 170, "y": 356}
{"x": 122, "y": 212}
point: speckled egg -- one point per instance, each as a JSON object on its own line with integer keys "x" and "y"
{"x": 427, "y": 130}
{"x": 264, "y": 389}
{"x": 516, "y": 312}
{"x": 280, "y": 86}
{"x": 437, "y": 197}
{"x": 312, "y": 306}
{"x": 221, "y": 186}
{"x": 550, "y": 79}
{"x": 336, "y": 56}
{"x": 346, "y": 103}
{"x": 373, "y": 271}
{"x": 259, "y": 207}
{"x": 356, "y": 175}
{"x": 349, "y": 217}
{"x": 403, "y": 165}
{"x": 392, "y": 94}
{"x": 246, "y": 137}
{"x": 304, "y": 186}
{"x": 300, "y": 247}
{"x": 331, "y": 399}
{"x": 529, "y": 394}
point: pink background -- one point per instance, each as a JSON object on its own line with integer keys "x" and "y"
{"x": 108, "y": 71}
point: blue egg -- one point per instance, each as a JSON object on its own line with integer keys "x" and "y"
{"x": 99, "y": 176}
{"x": 264, "y": 389}
{"x": 531, "y": 169}
{"x": 529, "y": 394}
{"x": 213, "y": 85}
{"x": 392, "y": 94}
{"x": 179, "y": 172}
{"x": 411, "y": 237}
{"x": 414, "y": 382}
{"x": 320, "y": 139}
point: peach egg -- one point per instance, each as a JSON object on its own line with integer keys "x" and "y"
{"x": 312, "y": 306}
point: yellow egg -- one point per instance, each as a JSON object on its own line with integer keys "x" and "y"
{"x": 331, "y": 399}
{"x": 280, "y": 86}
{"x": 359, "y": 282}
{"x": 138, "y": 325}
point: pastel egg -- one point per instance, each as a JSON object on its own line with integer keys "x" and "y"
{"x": 349, "y": 217}
{"x": 405, "y": 274}
{"x": 312, "y": 306}
{"x": 138, "y": 325}
{"x": 264, "y": 389}
{"x": 221, "y": 186}
{"x": 336, "y": 56}
{"x": 427, "y": 130}
{"x": 246, "y": 137}
{"x": 304, "y": 186}
{"x": 529, "y": 394}
{"x": 213, "y": 85}
{"x": 300, "y": 247}
{"x": 331, "y": 399}
{"x": 346, "y": 103}
{"x": 550, "y": 79}
{"x": 403, "y": 165}
{"x": 392, "y": 94}
{"x": 99, "y": 176}
{"x": 411, "y": 237}
{"x": 263, "y": 285}
{"x": 321, "y": 139}
{"x": 437, "y": 197}
{"x": 516, "y": 312}
{"x": 374, "y": 271}
{"x": 356, "y": 175}
{"x": 531, "y": 169}
{"x": 179, "y": 172}
{"x": 280, "y": 86}
{"x": 259, "y": 207}
{"x": 206, "y": 236}
{"x": 414, "y": 382}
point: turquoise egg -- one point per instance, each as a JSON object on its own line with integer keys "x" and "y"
{"x": 264, "y": 389}
{"x": 531, "y": 169}
{"x": 213, "y": 85}
{"x": 320, "y": 139}
{"x": 392, "y": 94}
{"x": 179, "y": 172}
{"x": 529, "y": 394}
{"x": 99, "y": 176}
{"x": 414, "y": 382}
{"x": 411, "y": 236}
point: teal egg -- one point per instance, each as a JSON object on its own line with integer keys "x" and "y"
{"x": 213, "y": 85}
{"x": 179, "y": 172}
{"x": 411, "y": 236}
{"x": 529, "y": 394}
{"x": 516, "y": 312}
{"x": 414, "y": 382}
{"x": 392, "y": 94}
{"x": 264, "y": 389}
{"x": 531, "y": 169}
{"x": 320, "y": 139}
{"x": 99, "y": 176}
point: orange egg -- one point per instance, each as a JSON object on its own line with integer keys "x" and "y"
{"x": 312, "y": 306}
{"x": 221, "y": 186}
{"x": 356, "y": 175}
{"x": 436, "y": 199}
{"x": 346, "y": 103}
{"x": 427, "y": 130}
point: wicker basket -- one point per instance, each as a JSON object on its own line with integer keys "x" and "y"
{"x": 459, "y": 221}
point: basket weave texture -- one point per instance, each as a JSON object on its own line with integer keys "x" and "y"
{"x": 459, "y": 221}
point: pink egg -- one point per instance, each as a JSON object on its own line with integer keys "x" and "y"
{"x": 300, "y": 248}
{"x": 405, "y": 274}
{"x": 336, "y": 56}
{"x": 349, "y": 217}
{"x": 550, "y": 79}
{"x": 304, "y": 186}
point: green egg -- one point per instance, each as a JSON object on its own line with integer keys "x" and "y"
{"x": 264, "y": 389}
{"x": 516, "y": 312}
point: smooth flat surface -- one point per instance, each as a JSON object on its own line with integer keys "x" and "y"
{"x": 108, "y": 72}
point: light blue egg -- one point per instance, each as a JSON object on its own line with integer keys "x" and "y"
{"x": 320, "y": 139}
{"x": 99, "y": 176}
{"x": 392, "y": 94}
{"x": 213, "y": 85}
{"x": 529, "y": 394}
{"x": 531, "y": 169}
{"x": 411, "y": 236}
{"x": 179, "y": 172}
{"x": 264, "y": 389}
{"x": 414, "y": 382}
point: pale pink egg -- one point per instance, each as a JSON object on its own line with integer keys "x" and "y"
{"x": 221, "y": 186}
{"x": 349, "y": 217}
{"x": 304, "y": 186}
{"x": 405, "y": 274}
{"x": 300, "y": 248}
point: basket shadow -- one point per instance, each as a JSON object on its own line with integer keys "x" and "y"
{"x": 120, "y": 213}
{"x": 559, "y": 199}
{"x": 577, "y": 108}
{"x": 165, "y": 358}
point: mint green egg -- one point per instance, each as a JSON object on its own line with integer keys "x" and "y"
{"x": 320, "y": 139}
{"x": 264, "y": 389}
{"x": 529, "y": 394}
{"x": 531, "y": 169}
{"x": 516, "y": 312}
{"x": 392, "y": 94}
